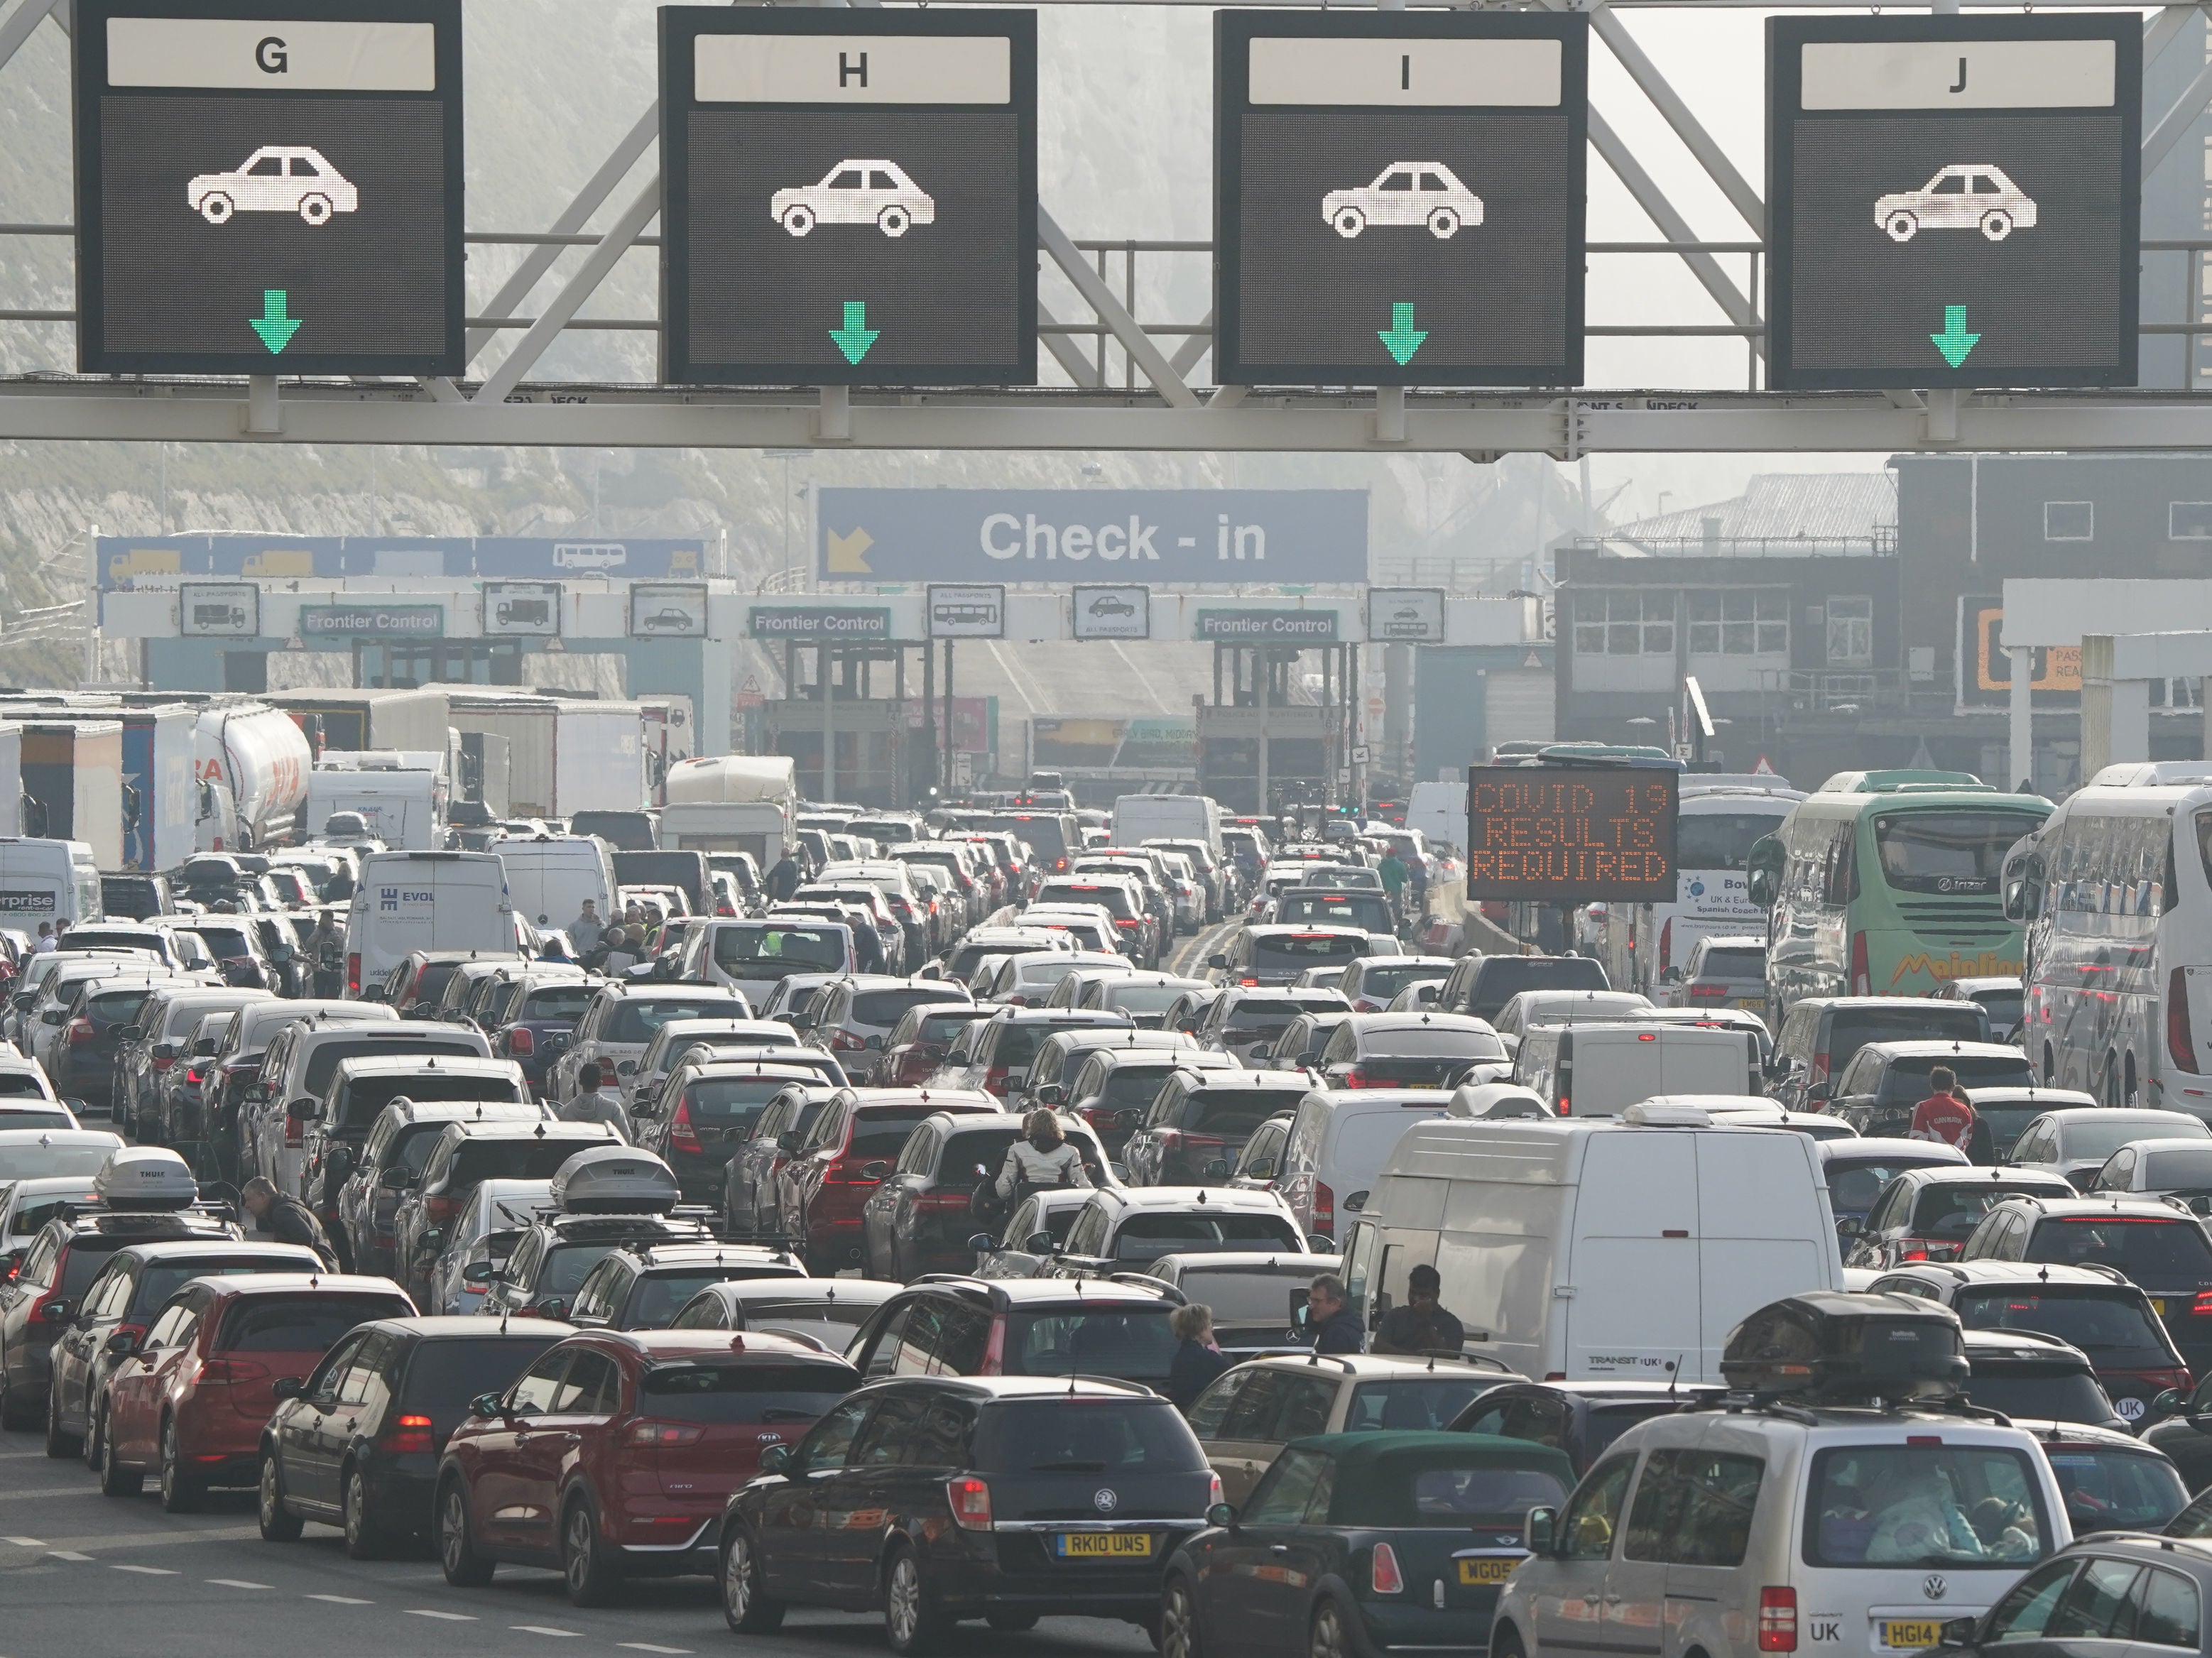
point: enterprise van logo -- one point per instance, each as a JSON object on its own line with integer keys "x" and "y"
{"x": 27, "y": 903}
{"x": 1987, "y": 965}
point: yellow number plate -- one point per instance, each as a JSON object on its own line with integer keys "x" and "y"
{"x": 1487, "y": 1571}
{"x": 2158, "y": 1305}
{"x": 1910, "y": 1634}
{"x": 1104, "y": 1545}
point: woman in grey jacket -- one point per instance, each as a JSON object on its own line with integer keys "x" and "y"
{"x": 1041, "y": 1158}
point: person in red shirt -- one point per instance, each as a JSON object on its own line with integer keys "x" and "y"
{"x": 1944, "y": 1115}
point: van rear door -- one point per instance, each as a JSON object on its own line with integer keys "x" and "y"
{"x": 1766, "y": 1231}
{"x": 1709, "y": 1062}
{"x": 1630, "y": 1264}
{"x": 430, "y": 901}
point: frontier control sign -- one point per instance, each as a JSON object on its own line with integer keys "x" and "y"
{"x": 1571, "y": 835}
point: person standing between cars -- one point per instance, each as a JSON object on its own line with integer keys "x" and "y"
{"x": 326, "y": 951}
{"x": 1944, "y": 1116}
{"x": 288, "y": 1220}
{"x": 1421, "y": 1325}
{"x": 1040, "y": 1159}
{"x": 783, "y": 878}
{"x": 595, "y": 1103}
{"x": 584, "y": 932}
{"x": 1336, "y": 1328}
{"x": 1392, "y": 873}
{"x": 617, "y": 951}
{"x": 46, "y": 939}
{"x": 1197, "y": 1360}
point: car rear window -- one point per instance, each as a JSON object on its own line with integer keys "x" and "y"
{"x": 1307, "y": 947}
{"x": 1236, "y": 1111}
{"x": 301, "y": 1324}
{"x": 1149, "y": 1236}
{"x": 34, "y": 1213}
{"x": 163, "y": 1278}
{"x": 2113, "y": 1326}
{"x": 637, "y": 1021}
{"x": 731, "y": 1101}
{"x": 1135, "y": 1085}
{"x": 1133, "y": 995}
{"x": 2004, "y": 1124}
{"x": 1904, "y": 1505}
{"x": 2042, "y": 1392}
{"x": 2153, "y": 1253}
{"x": 942, "y": 1027}
{"x": 884, "y": 1006}
{"x": 21, "y": 1085}
{"x": 323, "y": 1063}
{"x": 445, "y": 1374}
{"x": 1379, "y": 984}
{"x": 660, "y": 1296}
{"x": 1904, "y": 1080}
{"x": 1335, "y": 909}
{"x": 2004, "y": 1006}
{"x": 1499, "y": 980}
{"x": 1853, "y": 1184}
{"x": 1045, "y": 836}
{"x": 430, "y": 985}
{"x": 1260, "y": 1013}
{"x": 42, "y": 1162}
{"x": 119, "y": 1006}
{"x": 1406, "y": 1491}
{"x": 521, "y": 1158}
{"x": 57, "y": 1118}
{"x": 743, "y": 1392}
{"x": 1948, "y": 1212}
{"x": 1115, "y": 900}
{"x": 1735, "y": 963}
{"x": 367, "y": 1097}
{"x": 1851, "y": 1029}
{"x": 983, "y": 1149}
{"x": 1086, "y": 1434}
{"x": 883, "y": 1132}
{"x": 1415, "y": 1043}
{"x": 2106, "y": 1489}
{"x": 1425, "y": 1404}
{"x": 559, "y": 1002}
{"x": 1132, "y": 1343}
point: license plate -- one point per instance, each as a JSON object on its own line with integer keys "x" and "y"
{"x": 1487, "y": 1571}
{"x": 1757, "y": 1002}
{"x": 1910, "y": 1634}
{"x": 1102, "y": 1544}
{"x": 2158, "y": 1305}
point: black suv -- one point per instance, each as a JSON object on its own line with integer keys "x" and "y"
{"x": 1409, "y": 1050}
{"x": 1482, "y": 985}
{"x": 642, "y": 1285}
{"x": 1820, "y": 1034}
{"x": 1885, "y": 1080}
{"x": 1582, "y": 1418}
{"x": 41, "y": 1297}
{"x": 467, "y": 1152}
{"x": 2026, "y": 1374}
{"x": 952, "y": 1326}
{"x": 1014, "y": 1498}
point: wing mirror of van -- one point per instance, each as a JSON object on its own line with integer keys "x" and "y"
{"x": 1763, "y": 871}
{"x": 1538, "y": 1529}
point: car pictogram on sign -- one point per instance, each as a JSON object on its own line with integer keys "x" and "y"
{"x": 669, "y": 616}
{"x": 1405, "y": 194}
{"x": 276, "y": 178}
{"x": 1971, "y": 196}
{"x": 880, "y": 193}
{"x": 1112, "y": 605}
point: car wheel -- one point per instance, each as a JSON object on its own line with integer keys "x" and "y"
{"x": 745, "y": 1608}
{"x": 315, "y": 209}
{"x": 1011, "y": 1623}
{"x": 114, "y": 1480}
{"x": 216, "y": 208}
{"x": 1443, "y": 223}
{"x": 364, "y": 1537}
{"x": 1328, "y": 1638}
{"x": 911, "y": 1623}
{"x": 458, "y": 1558}
{"x": 1179, "y": 1621}
{"x": 1901, "y": 227}
{"x": 180, "y": 1492}
{"x": 798, "y": 220}
{"x": 1506, "y": 1643}
{"x": 278, "y": 1523}
{"x": 58, "y": 1444}
{"x": 1996, "y": 224}
{"x": 593, "y": 1572}
{"x": 894, "y": 221}
{"x": 1349, "y": 222}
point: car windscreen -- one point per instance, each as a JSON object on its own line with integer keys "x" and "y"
{"x": 2042, "y": 1392}
{"x": 446, "y": 1373}
{"x": 1415, "y": 1042}
{"x": 2154, "y": 1253}
{"x": 2106, "y": 1489}
{"x": 1439, "y": 1489}
{"x": 1950, "y": 851}
{"x": 557, "y": 1002}
{"x": 1719, "y": 840}
{"x": 1371, "y": 914}
{"x": 637, "y": 1020}
{"x": 35, "y": 1162}
{"x": 1234, "y": 1112}
{"x": 301, "y": 1324}
{"x": 712, "y": 1393}
{"x": 1501, "y": 978}
{"x": 1907, "y": 1505}
{"x": 324, "y": 1061}
{"x": 772, "y": 950}
{"x": 883, "y": 1007}
{"x": 1425, "y": 1403}
{"x": 1307, "y": 948}
{"x": 368, "y": 1096}
{"x": 882, "y": 1131}
{"x": 522, "y": 1158}
{"x": 2112, "y": 1325}
{"x": 1086, "y": 1434}
{"x": 1147, "y": 1236}
{"x": 1949, "y": 1210}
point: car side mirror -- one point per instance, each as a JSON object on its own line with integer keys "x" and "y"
{"x": 1215, "y": 1169}
{"x": 131, "y": 1033}
{"x": 300, "y": 1110}
{"x": 1131, "y": 1119}
{"x": 876, "y": 1043}
{"x": 1957, "y": 1632}
{"x": 58, "y": 1312}
{"x": 1223, "y": 1514}
{"x": 776, "y": 1459}
{"x": 1850, "y": 1226}
{"x": 1217, "y": 960}
{"x": 54, "y": 1015}
{"x": 787, "y": 1141}
{"x": 478, "y": 1272}
{"x": 1538, "y": 1527}
{"x": 980, "y": 1242}
{"x": 1049, "y": 1094}
{"x": 2166, "y": 1403}
{"x": 486, "y": 1404}
{"x": 432, "y": 1238}
{"x": 121, "y": 1345}
{"x": 1821, "y": 1092}
{"x": 1263, "y": 1169}
{"x": 395, "y": 1180}
{"x": 1038, "y": 1243}
{"x": 875, "y": 1170}
{"x": 1321, "y": 1243}
{"x": 552, "y": 1307}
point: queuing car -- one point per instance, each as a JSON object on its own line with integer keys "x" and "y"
{"x": 1926, "y": 1214}
{"x": 394, "y": 1156}
{"x": 1009, "y": 1499}
{"x": 851, "y": 1147}
{"x": 1124, "y": 1229}
{"x": 1036, "y": 1326}
{"x": 1580, "y": 1418}
{"x": 1859, "y": 1171}
{"x": 1885, "y": 1081}
{"x": 1370, "y": 983}
{"x": 1820, "y": 1035}
{"x": 918, "y": 1219}
{"x": 1199, "y": 1121}
{"x": 2077, "y": 1141}
{"x": 643, "y": 1285}
{"x": 826, "y": 1310}
{"x": 356, "y": 1443}
{"x": 465, "y": 1153}
{"x": 635, "y": 1442}
{"x": 1032, "y": 1235}
{"x": 1412, "y": 1050}
{"x": 492, "y": 1219}
{"x": 706, "y": 1111}
{"x": 2026, "y": 1374}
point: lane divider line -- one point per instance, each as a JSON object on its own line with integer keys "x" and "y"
{"x": 648, "y": 1646}
{"x": 238, "y": 1583}
{"x": 144, "y": 1571}
{"x": 445, "y": 1616}
{"x": 68, "y": 1554}
{"x": 340, "y": 1600}
{"x": 546, "y": 1628}
{"x": 25, "y": 1542}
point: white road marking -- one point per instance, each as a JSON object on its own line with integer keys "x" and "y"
{"x": 25, "y": 1542}
{"x": 43, "y": 1491}
{"x": 447, "y": 1616}
{"x": 144, "y": 1571}
{"x": 648, "y": 1646}
{"x": 238, "y": 1583}
{"x": 544, "y": 1629}
{"x": 341, "y": 1600}
{"x": 69, "y": 1554}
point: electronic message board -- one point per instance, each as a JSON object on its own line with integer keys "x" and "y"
{"x": 1571, "y": 835}
{"x": 1398, "y": 198}
{"x": 266, "y": 189}
{"x": 848, "y": 197}
{"x": 1954, "y": 201}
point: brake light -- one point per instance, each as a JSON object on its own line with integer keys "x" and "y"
{"x": 844, "y": 1042}
{"x": 1247, "y": 983}
{"x": 1667, "y": 944}
{"x": 971, "y": 1503}
{"x": 682, "y": 1136}
{"x": 193, "y": 1074}
{"x": 1324, "y": 1209}
{"x": 223, "y": 1372}
{"x": 662, "y": 1435}
{"x": 2203, "y": 1307}
{"x": 1911, "y": 1249}
{"x": 80, "y": 1031}
{"x": 409, "y": 1436}
{"x": 1818, "y": 1071}
{"x": 1383, "y": 1576}
{"x": 1777, "y": 1619}
{"x": 1861, "y": 985}
{"x": 2180, "y": 1039}
{"x": 521, "y": 1039}
{"x": 1707, "y": 993}
{"x": 1356, "y": 1078}
{"x": 352, "y": 972}
{"x": 943, "y": 1202}
{"x": 295, "y": 1130}
{"x": 1213, "y": 1491}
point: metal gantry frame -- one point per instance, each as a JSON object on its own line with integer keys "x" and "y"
{"x": 1157, "y": 407}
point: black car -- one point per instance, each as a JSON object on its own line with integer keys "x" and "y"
{"x": 2025, "y": 1373}
{"x": 749, "y": 1179}
{"x": 555, "y": 1254}
{"x": 1820, "y": 1034}
{"x": 921, "y": 1219}
{"x": 644, "y": 1285}
{"x": 1199, "y": 1119}
{"x": 1581, "y": 1418}
{"x": 1482, "y": 985}
{"x": 136, "y": 1284}
{"x": 2156, "y": 1587}
{"x": 1884, "y": 1081}
{"x": 83, "y": 1058}
{"x": 1007, "y": 1499}
{"x": 464, "y": 1153}
{"x": 533, "y": 1024}
{"x": 392, "y": 1161}
{"x": 1409, "y": 1050}
{"x": 1927, "y": 1214}
{"x": 704, "y": 1113}
{"x": 2183, "y": 1430}
{"x": 356, "y": 1444}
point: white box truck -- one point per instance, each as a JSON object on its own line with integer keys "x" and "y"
{"x": 550, "y": 877}
{"x": 732, "y": 803}
{"x": 564, "y": 755}
{"x": 404, "y": 806}
{"x": 1141, "y": 818}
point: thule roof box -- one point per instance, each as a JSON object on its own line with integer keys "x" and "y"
{"x": 140, "y": 1177}
{"x": 614, "y": 1180}
{"x": 1832, "y": 1347}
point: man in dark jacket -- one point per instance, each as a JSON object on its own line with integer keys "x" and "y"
{"x": 288, "y": 1220}
{"x": 1421, "y": 1325}
{"x": 1336, "y": 1328}
{"x": 783, "y": 878}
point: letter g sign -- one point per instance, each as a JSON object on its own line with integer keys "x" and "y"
{"x": 271, "y": 57}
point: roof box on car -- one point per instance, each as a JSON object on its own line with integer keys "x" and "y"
{"x": 1833, "y": 1346}
{"x": 614, "y": 1180}
{"x": 145, "y": 1177}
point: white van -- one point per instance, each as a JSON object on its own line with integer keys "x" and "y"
{"x": 1438, "y": 810}
{"x": 549, "y": 876}
{"x": 1141, "y": 818}
{"x": 1575, "y": 1249}
{"x": 47, "y": 881}
{"x": 1339, "y": 1140}
{"x": 1600, "y": 1069}
{"x": 410, "y": 901}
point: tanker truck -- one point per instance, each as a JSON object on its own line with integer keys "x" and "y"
{"x": 732, "y": 803}
{"x": 251, "y": 762}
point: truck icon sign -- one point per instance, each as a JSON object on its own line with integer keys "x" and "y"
{"x": 529, "y": 612}
{"x": 212, "y": 617}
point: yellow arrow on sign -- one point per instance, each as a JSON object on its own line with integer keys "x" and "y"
{"x": 847, "y": 553}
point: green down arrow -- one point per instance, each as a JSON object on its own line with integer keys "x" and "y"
{"x": 1401, "y": 339}
{"x": 1954, "y": 342}
{"x": 855, "y": 338}
{"x": 275, "y": 328}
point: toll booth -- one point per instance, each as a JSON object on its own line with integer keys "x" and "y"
{"x": 1264, "y": 740}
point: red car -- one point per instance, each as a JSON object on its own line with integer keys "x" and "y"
{"x": 822, "y": 1186}
{"x": 919, "y": 1042}
{"x": 190, "y": 1399}
{"x": 613, "y": 1455}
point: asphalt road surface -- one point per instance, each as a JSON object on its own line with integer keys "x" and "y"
{"x": 80, "y": 1573}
